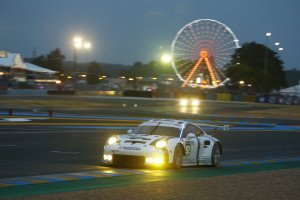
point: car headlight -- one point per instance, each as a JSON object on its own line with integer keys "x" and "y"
{"x": 156, "y": 160}
{"x": 183, "y": 102}
{"x": 195, "y": 102}
{"x": 112, "y": 140}
{"x": 161, "y": 144}
{"x": 107, "y": 157}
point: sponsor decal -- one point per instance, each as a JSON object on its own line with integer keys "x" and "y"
{"x": 132, "y": 148}
{"x": 187, "y": 148}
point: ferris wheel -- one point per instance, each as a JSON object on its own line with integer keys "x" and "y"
{"x": 200, "y": 51}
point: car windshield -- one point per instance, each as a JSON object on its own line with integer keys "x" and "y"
{"x": 157, "y": 130}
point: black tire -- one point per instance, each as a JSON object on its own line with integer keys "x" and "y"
{"x": 178, "y": 157}
{"x": 216, "y": 155}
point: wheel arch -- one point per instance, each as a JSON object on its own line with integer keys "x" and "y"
{"x": 221, "y": 148}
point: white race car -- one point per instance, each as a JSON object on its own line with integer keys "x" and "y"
{"x": 165, "y": 142}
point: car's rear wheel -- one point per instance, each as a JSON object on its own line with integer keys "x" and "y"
{"x": 216, "y": 155}
{"x": 178, "y": 157}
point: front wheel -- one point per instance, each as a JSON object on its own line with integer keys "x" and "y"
{"x": 216, "y": 155}
{"x": 178, "y": 157}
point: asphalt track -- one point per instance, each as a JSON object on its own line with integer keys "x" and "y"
{"x": 67, "y": 145}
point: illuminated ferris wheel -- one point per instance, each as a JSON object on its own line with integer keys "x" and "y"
{"x": 200, "y": 51}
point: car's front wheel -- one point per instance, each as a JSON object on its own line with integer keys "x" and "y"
{"x": 178, "y": 157}
{"x": 216, "y": 155}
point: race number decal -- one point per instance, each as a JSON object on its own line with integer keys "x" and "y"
{"x": 187, "y": 148}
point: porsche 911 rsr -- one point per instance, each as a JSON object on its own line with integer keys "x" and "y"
{"x": 163, "y": 143}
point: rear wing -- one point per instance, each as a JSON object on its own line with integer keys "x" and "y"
{"x": 224, "y": 127}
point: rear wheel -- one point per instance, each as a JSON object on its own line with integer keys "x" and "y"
{"x": 216, "y": 155}
{"x": 178, "y": 157}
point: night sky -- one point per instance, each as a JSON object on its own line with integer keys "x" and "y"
{"x": 126, "y": 31}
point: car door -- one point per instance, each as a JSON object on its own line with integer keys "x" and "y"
{"x": 192, "y": 145}
{"x": 204, "y": 154}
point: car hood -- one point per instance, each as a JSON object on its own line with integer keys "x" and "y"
{"x": 140, "y": 139}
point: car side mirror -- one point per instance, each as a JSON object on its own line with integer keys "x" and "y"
{"x": 129, "y": 131}
{"x": 191, "y": 135}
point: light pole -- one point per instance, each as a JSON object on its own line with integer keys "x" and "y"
{"x": 266, "y": 53}
{"x": 166, "y": 58}
{"x": 277, "y": 46}
{"x": 78, "y": 44}
{"x": 268, "y": 34}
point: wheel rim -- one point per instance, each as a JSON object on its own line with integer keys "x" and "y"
{"x": 178, "y": 157}
{"x": 217, "y": 156}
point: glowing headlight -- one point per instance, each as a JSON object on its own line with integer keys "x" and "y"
{"x": 161, "y": 144}
{"x": 157, "y": 161}
{"x": 195, "y": 103}
{"x": 183, "y": 102}
{"x": 149, "y": 160}
{"x": 107, "y": 157}
{"x": 112, "y": 140}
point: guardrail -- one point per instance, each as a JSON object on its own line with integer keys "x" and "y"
{"x": 134, "y": 93}
{"x": 25, "y": 92}
{"x": 274, "y": 99}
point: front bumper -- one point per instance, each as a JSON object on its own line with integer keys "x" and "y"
{"x": 145, "y": 157}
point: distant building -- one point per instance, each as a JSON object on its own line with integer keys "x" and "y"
{"x": 294, "y": 90}
{"x": 15, "y": 73}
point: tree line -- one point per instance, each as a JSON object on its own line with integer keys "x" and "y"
{"x": 257, "y": 65}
